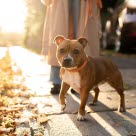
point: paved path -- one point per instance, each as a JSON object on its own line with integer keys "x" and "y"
{"x": 102, "y": 120}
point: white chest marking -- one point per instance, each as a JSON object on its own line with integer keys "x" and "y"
{"x": 73, "y": 79}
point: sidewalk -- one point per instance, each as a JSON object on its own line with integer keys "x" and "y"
{"x": 102, "y": 119}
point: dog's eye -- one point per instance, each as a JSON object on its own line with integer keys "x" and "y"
{"x": 62, "y": 50}
{"x": 75, "y": 51}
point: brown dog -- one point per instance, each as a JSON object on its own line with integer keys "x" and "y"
{"x": 84, "y": 73}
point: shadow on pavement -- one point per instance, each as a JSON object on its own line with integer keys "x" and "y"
{"x": 102, "y": 121}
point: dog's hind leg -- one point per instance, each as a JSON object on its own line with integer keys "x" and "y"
{"x": 96, "y": 91}
{"x": 117, "y": 83}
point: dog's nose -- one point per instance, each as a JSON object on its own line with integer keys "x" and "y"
{"x": 67, "y": 62}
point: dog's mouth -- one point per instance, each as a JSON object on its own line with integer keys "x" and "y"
{"x": 68, "y": 66}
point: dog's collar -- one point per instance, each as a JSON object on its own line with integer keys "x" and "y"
{"x": 79, "y": 68}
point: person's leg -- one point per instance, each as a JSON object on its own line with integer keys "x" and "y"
{"x": 55, "y": 79}
{"x": 54, "y": 75}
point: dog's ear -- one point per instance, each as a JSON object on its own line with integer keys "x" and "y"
{"x": 58, "y": 39}
{"x": 83, "y": 41}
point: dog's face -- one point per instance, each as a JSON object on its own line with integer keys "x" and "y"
{"x": 70, "y": 53}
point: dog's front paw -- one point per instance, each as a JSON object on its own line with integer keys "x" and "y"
{"x": 63, "y": 107}
{"x": 80, "y": 117}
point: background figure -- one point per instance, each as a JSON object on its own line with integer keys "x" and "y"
{"x": 72, "y": 19}
{"x": 56, "y": 23}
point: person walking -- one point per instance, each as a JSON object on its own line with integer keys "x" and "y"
{"x": 72, "y": 19}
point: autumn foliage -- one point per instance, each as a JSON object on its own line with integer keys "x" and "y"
{"x": 17, "y": 112}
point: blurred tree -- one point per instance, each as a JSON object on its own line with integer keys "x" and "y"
{"x": 10, "y": 38}
{"x": 34, "y": 25}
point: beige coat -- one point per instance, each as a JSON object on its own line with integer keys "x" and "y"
{"x": 56, "y": 23}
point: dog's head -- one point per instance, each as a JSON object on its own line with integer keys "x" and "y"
{"x": 70, "y": 53}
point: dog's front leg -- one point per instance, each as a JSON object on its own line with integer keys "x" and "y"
{"x": 81, "y": 111}
{"x": 63, "y": 91}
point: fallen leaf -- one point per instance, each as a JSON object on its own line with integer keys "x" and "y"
{"x": 39, "y": 134}
{"x": 6, "y": 130}
{"x": 42, "y": 118}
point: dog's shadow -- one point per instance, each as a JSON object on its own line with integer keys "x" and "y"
{"x": 73, "y": 102}
{"x": 100, "y": 118}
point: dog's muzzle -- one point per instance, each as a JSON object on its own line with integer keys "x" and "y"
{"x": 67, "y": 62}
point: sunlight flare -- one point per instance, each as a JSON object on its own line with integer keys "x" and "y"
{"x": 12, "y": 15}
